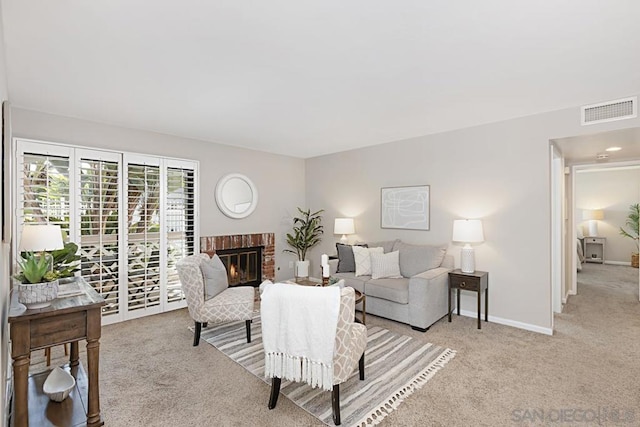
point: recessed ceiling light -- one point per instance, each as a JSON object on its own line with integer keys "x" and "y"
{"x": 614, "y": 149}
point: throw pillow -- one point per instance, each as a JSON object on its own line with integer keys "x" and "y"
{"x": 363, "y": 259}
{"x": 346, "y": 262}
{"x": 215, "y": 277}
{"x": 385, "y": 266}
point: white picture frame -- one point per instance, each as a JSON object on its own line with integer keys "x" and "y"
{"x": 405, "y": 207}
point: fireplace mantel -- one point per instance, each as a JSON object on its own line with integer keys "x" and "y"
{"x": 209, "y": 244}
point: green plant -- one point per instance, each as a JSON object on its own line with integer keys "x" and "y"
{"x": 35, "y": 269}
{"x": 307, "y": 230}
{"x": 632, "y": 224}
{"x": 66, "y": 261}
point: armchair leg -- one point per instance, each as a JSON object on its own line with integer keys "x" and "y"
{"x": 196, "y": 334}
{"x": 335, "y": 402}
{"x": 275, "y": 392}
{"x": 361, "y": 366}
{"x": 205, "y": 324}
{"x": 248, "y": 324}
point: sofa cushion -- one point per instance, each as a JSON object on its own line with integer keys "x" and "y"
{"x": 385, "y": 265}
{"x": 396, "y": 290}
{"x": 363, "y": 260}
{"x": 346, "y": 262}
{"x": 215, "y": 276}
{"x": 386, "y": 245}
{"x": 415, "y": 259}
{"x": 351, "y": 280}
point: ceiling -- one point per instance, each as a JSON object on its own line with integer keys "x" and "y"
{"x": 306, "y": 78}
{"x": 585, "y": 149}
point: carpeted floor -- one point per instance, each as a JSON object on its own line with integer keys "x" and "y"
{"x": 150, "y": 375}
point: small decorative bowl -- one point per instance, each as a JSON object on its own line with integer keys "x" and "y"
{"x": 58, "y": 384}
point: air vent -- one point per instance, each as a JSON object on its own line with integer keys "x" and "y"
{"x": 620, "y": 109}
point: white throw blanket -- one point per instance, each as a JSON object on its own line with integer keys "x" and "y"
{"x": 299, "y": 332}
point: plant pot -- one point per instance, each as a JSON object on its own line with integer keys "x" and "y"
{"x": 634, "y": 260}
{"x": 302, "y": 268}
{"x": 36, "y": 295}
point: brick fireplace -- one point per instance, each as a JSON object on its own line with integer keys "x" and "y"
{"x": 266, "y": 241}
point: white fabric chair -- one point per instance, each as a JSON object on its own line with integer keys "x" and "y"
{"x": 348, "y": 352}
{"x": 232, "y": 304}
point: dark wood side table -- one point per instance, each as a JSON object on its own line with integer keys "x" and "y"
{"x": 477, "y": 281}
{"x": 66, "y": 320}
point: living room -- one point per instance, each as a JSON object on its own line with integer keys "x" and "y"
{"x": 491, "y": 163}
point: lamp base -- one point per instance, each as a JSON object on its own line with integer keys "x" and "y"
{"x": 593, "y": 228}
{"x": 344, "y": 239}
{"x": 467, "y": 259}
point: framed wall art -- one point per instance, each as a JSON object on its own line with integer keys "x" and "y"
{"x": 405, "y": 207}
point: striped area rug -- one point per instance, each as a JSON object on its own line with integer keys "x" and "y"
{"x": 395, "y": 366}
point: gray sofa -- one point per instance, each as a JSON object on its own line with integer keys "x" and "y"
{"x": 419, "y": 298}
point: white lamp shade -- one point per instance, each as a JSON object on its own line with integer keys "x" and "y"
{"x": 468, "y": 231}
{"x": 593, "y": 214}
{"x": 344, "y": 226}
{"x": 39, "y": 238}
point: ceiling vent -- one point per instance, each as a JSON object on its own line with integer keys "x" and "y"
{"x": 619, "y": 109}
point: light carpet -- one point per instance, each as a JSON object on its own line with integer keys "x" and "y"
{"x": 395, "y": 366}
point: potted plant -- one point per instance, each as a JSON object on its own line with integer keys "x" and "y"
{"x": 632, "y": 232}
{"x": 37, "y": 282}
{"x": 307, "y": 230}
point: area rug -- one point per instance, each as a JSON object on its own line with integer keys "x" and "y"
{"x": 395, "y": 366}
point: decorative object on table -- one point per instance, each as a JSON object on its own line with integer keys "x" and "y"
{"x": 58, "y": 384}
{"x": 632, "y": 232}
{"x": 467, "y": 231}
{"x": 236, "y": 195}
{"x": 326, "y": 270}
{"x": 405, "y": 207}
{"x": 593, "y": 216}
{"x": 307, "y": 230}
{"x": 344, "y": 226}
{"x": 37, "y": 281}
{"x": 392, "y": 376}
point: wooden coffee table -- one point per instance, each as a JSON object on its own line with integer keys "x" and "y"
{"x": 360, "y": 297}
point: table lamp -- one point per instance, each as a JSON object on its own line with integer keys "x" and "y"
{"x": 467, "y": 231}
{"x": 344, "y": 226}
{"x": 593, "y": 216}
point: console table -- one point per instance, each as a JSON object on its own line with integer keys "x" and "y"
{"x": 66, "y": 320}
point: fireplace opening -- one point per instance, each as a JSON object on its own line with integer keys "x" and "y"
{"x": 244, "y": 265}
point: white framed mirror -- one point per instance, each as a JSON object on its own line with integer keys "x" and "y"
{"x": 236, "y": 195}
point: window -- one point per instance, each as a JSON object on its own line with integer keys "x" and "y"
{"x": 132, "y": 216}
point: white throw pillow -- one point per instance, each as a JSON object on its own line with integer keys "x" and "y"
{"x": 215, "y": 277}
{"x": 363, "y": 259}
{"x": 385, "y": 266}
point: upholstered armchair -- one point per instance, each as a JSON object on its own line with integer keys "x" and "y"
{"x": 347, "y": 348}
{"x": 228, "y": 304}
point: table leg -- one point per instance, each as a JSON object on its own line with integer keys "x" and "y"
{"x": 449, "y": 302}
{"x": 486, "y": 305}
{"x": 74, "y": 358}
{"x": 458, "y": 302}
{"x": 479, "y": 298}
{"x": 364, "y": 309}
{"x": 21, "y": 390}
{"x": 93, "y": 362}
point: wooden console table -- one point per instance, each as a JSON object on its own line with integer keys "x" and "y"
{"x": 66, "y": 320}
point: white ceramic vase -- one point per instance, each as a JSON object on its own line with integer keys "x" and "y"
{"x": 36, "y": 295}
{"x": 302, "y": 268}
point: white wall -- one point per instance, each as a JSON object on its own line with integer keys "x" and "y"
{"x": 611, "y": 190}
{"x": 279, "y": 179}
{"x": 497, "y": 172}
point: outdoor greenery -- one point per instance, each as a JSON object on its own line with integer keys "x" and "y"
{"x": 307, "y": 230}
{"x": 632, "y": 224}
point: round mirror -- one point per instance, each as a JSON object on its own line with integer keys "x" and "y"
{"x": 236, "y": 195}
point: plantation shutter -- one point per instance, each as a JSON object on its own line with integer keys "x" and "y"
{"x": 143, "y": 237}
{"x": 179, "y": 223}
{"x": 99, "y": 203}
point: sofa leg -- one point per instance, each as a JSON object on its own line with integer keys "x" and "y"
{"x": 248, "y": 325}
{"x": 415, "y": 328}
{"x": 196, "y": 334}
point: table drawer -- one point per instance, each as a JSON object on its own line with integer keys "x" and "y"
{"x": 463, "y": 282}
{"x": 58, "y": 329}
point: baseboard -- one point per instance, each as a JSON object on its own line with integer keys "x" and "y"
{"x": 618, "y": 263}
{"x": 508, "y": 322}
